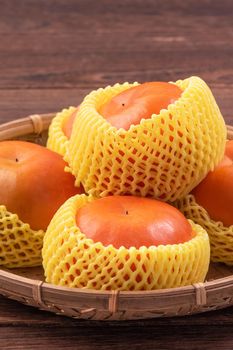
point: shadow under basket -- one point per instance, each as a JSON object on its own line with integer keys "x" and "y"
{"x": 27, "y": 285}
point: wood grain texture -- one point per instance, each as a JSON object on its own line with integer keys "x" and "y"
{"x": 108, "y": 338}
{"x": 81, "y": 45}
{"x": 51, "y": 54}
{"x": 119, "y": 339}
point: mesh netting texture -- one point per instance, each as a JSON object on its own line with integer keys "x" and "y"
{"x": 71, "y": 259}
{"x": 221, "y": 237}
{"x": 57, "y": 140}
{"x": 164, "y": 157}
{"x": 20, "y": 246}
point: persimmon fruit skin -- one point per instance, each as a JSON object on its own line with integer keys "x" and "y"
{"x": 133, "y": 222}
{"x": 68, "y": 125}
{"x": 139, "y": 102}
{"x": 134, "y": 104}
{"x": 33, "y": 183}
{"x": 215, "y": 192}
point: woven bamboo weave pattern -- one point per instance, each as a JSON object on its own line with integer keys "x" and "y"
{"x": 57, "y": 140}
{"x": 163, "y": 157}
{"x": 20, "y": 246}
{"x": 221, "y": 237}
{"x": 70, "y": 259}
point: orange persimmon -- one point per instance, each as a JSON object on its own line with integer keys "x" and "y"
{"x": 134, "y": 104}
{"x": 68, "y": 125}
{"x": 139, "y": 102}
{"x": 133, "y": 222}
{"x": 215, "y": 192}
{"x": 33, "y": 182}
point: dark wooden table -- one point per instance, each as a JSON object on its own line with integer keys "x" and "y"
{"x": 52, "y": 52}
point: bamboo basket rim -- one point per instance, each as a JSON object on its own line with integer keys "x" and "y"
{"x": 44, "y": 295}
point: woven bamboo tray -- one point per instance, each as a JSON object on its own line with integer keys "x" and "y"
{"x": 28, "y": 287}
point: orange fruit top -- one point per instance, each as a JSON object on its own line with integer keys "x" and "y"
{"x": 134, "y": 104}
{"x": 139, "y": 102}
{"x": 133, "y": 222}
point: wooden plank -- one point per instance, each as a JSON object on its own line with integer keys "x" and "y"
{"x": 79, "y": 45}
{"x": 62, "y": 15}
{"x": 16, "y": 103}
{"x": 96, "y": 63}
{"x": 108, "y": 338}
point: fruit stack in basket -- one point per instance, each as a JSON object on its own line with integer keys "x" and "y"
{"x": 127, "y": 158}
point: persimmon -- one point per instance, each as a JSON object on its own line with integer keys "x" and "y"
{"x": 134, "y": 104}
{"x": 215, "y": 192}
{"x": 33, "y": 182}
{"x": 139, "y": 102}
{"x": 68, "y": 125}
{"x": 229, "y": 150}
{"x": 133, "y": 221}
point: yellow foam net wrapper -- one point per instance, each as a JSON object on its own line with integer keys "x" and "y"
{"x": 71, "y": 259}
{"x": 57, "y": 140}
{"x": 165, "y": 156}
{"x": 221, "y": 237}
{"x": 20, "y": 246}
